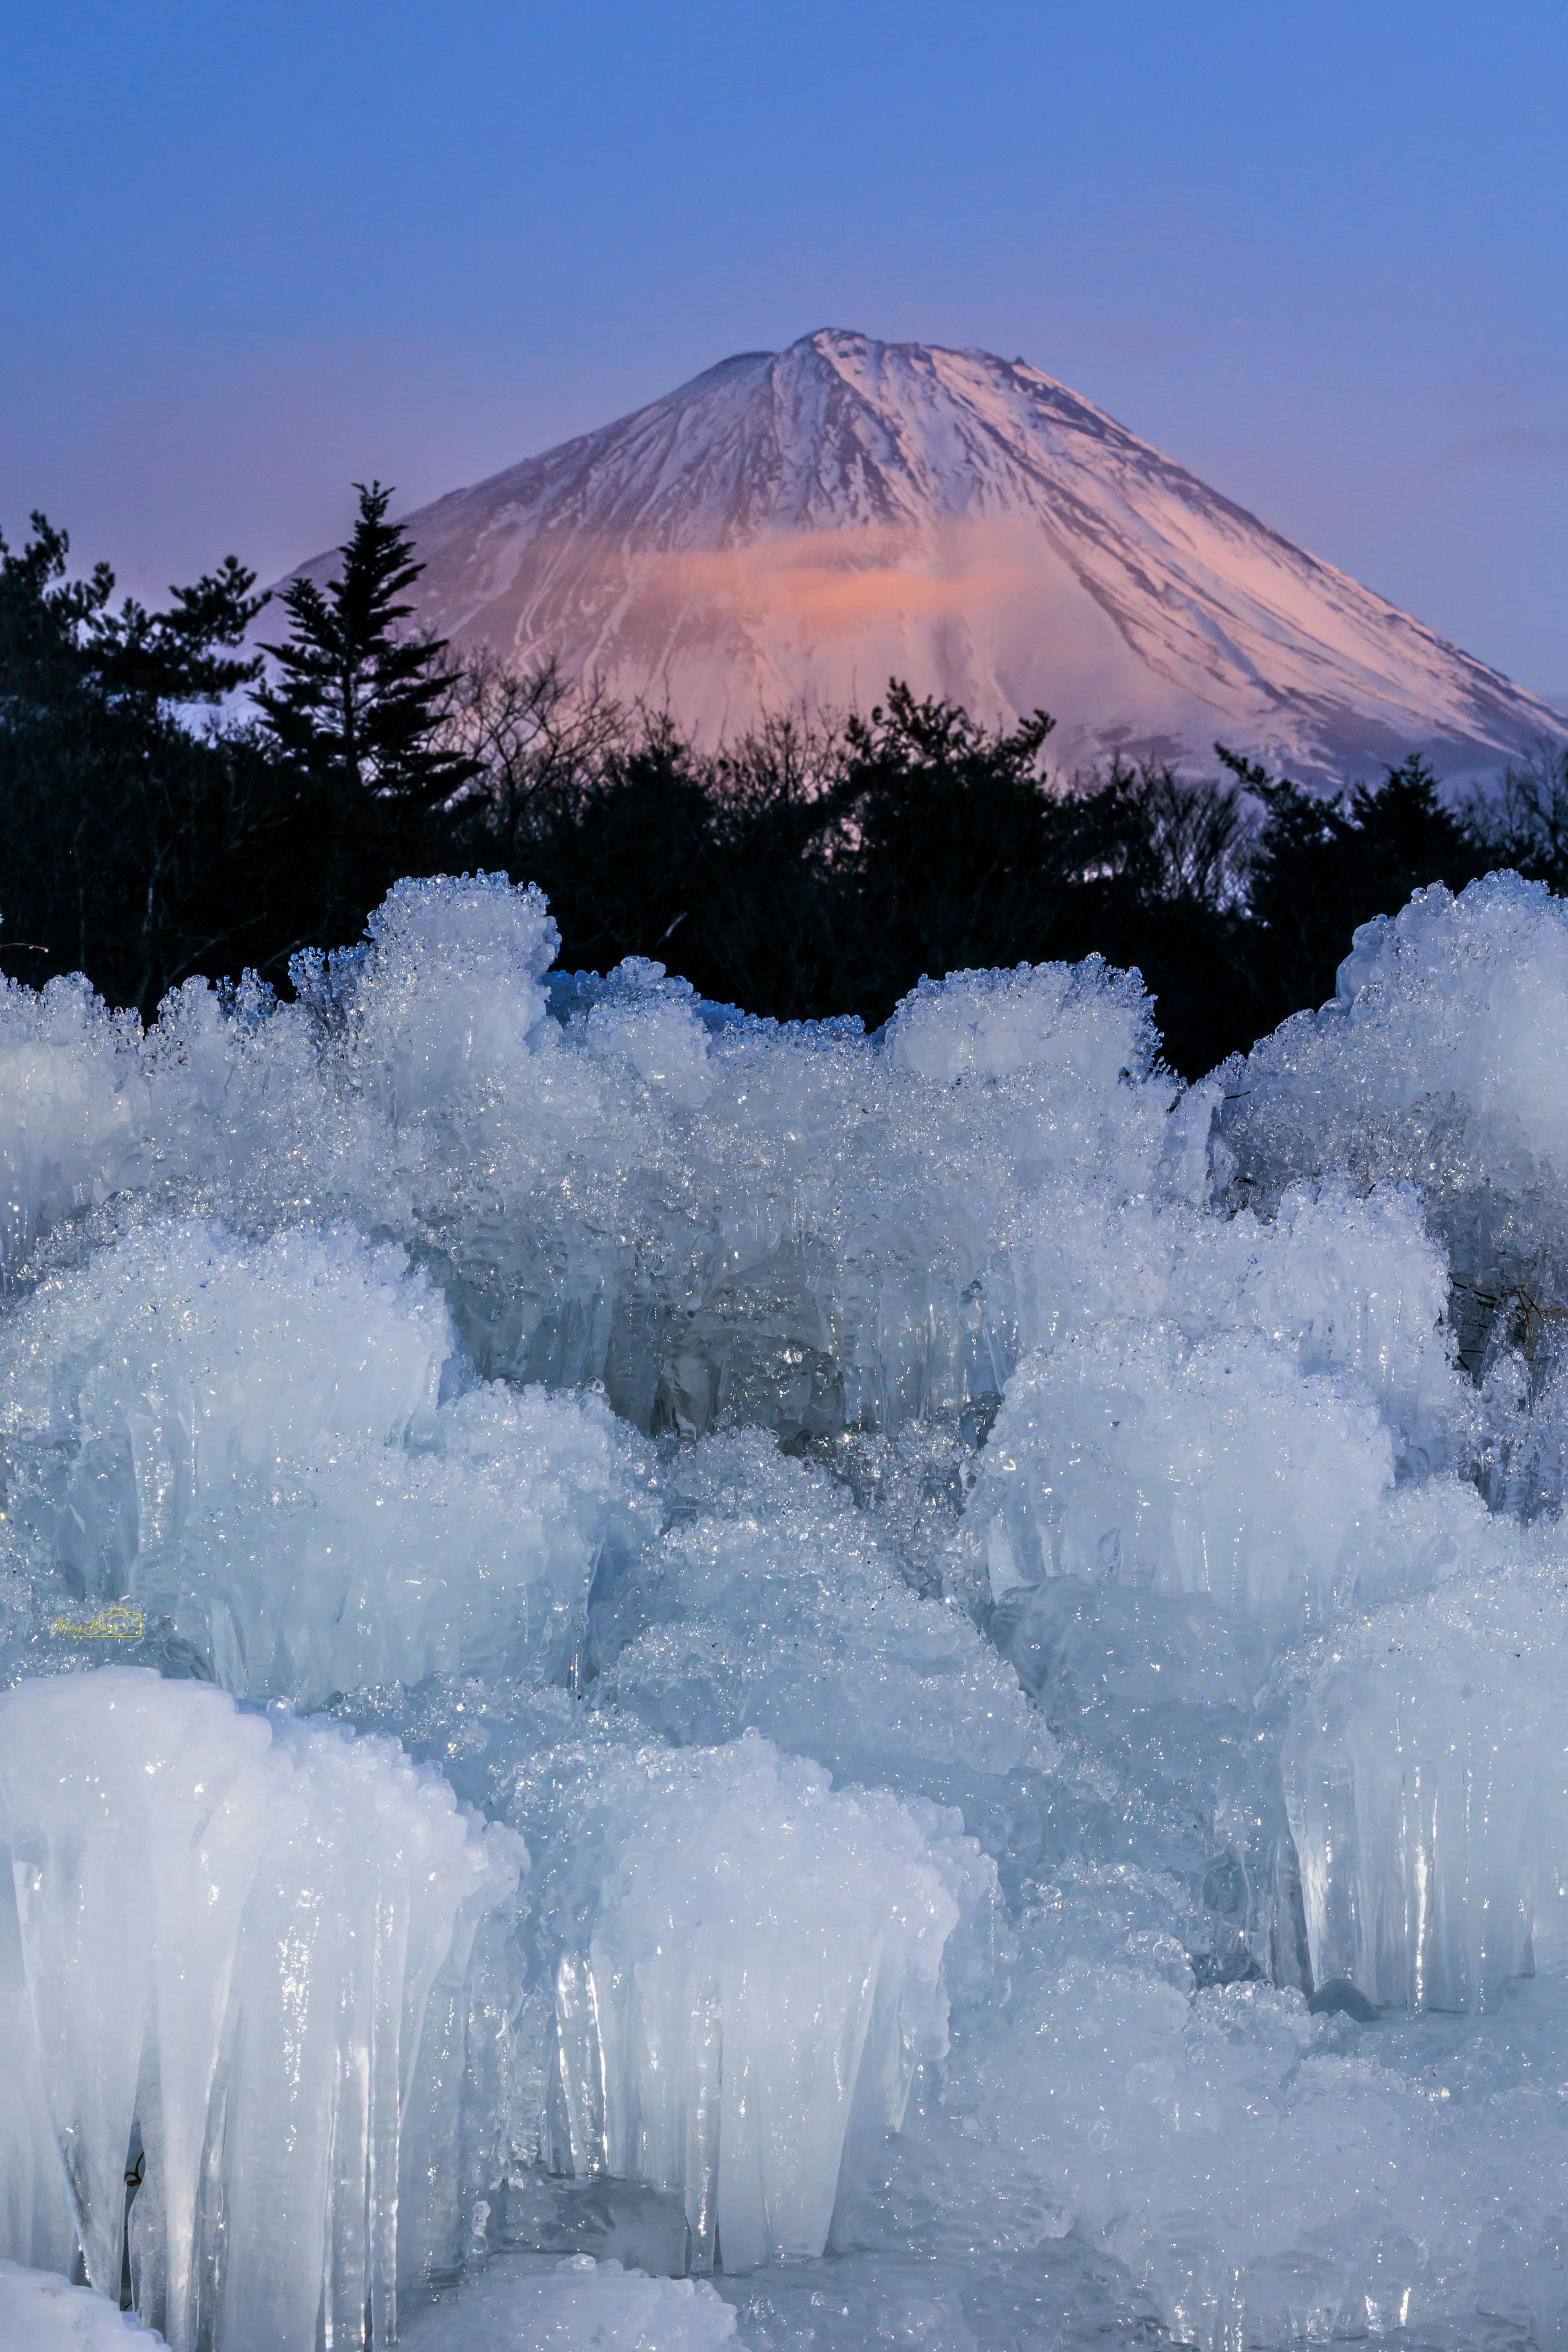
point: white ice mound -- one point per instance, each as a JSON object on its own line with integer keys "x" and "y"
{"x": 577, "y": 2305}
{"x": 1437, "y": 1062}
{"x": 1128, "y": 1456}
{"x": 1456, "y": 1001}
{"x": 747, "y": 1971}
{"x": 771, "y": 1605}
{"x": 474, "y": 1551}
{"x": 247, "y": 1437}
{"x": 638, "y": 1015}
{"x": 1347, "y": 1284}
{"x": 226, "y": 1929}
{"x": 187, "y": 1359}
{"x": 534, "y": 1367}
{"x": 1426, "y": 1771}
{"x": 707, "y": 1213}
{"x": 1083, "y": 1024}
{"x": 442, "y": 1001}
{"x": 868, "y": 1198}
{"x": 1264, "y": 2183}
{"x": 74, "y": 1107}
{"x": 1356, "y": 1286}
{"x": 40, "y": 2312}
{"x": 1465, "y": 998}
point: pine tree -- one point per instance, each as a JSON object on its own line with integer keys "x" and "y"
{"x": 62, "y": 648}
{"x": 358, "y": 704}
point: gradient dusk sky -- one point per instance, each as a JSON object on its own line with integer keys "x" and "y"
{"x": 1318, "y": 253}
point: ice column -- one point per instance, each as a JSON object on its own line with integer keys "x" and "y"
{"x": 1425, "y": 1773}
{"x": 755, "y": 1965}
{"x": 228, "y": 1926}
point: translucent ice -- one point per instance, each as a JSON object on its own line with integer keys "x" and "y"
{"x": 746, "y": 1967}
{"x": 228, "y": 1926}
{"x": 1087, "y": 1023}
{"x": 578, "y": 2305}
{"x": 186, "y": 1360}
{"x": 1453, "y": 1007}
{"x": 1349, "y": 1284}
{"x": 73, "y": 1105}
{"x": 704, "y": 1213}
{"x": 247, "y": 1437}
{"x": 1438, "y": 1063}
{"x": 441, "y": 1002}
{"x": 1426, "y": 1771}
{"x": 771, "y": 1605}
{"x": 1220, "y": 1469}
{"x": 1017, "y": 1609}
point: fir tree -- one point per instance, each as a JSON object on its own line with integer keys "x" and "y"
{"x": 359, "y": 703}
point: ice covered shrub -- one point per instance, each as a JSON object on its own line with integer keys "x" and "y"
{"x": 227, "y": 1927}
{"x": 1441, "y": 1037}
{"x": 1190, "y": 1470}
{"x": 1266, "y": 2175}
{"x": 978, "y": 1625}
{"x": 1080, "y": 1031}
{"x": 1346, "y": 1283}
{"x": 443, "y": 998}
{"x": 187, "y": 1359}
{"x": 745, "y": 1969}
{"x": 73, "y": 1107}
{"x": 1426, "y": 1768}
{"x": 248, "y": 1437}
{"x": 1130, "y": 1456}
{"x": 713, "y": 1216}
{"x": 1438, "y": 1063}
{"x": 473, "y": 1550}
{"x": 868, "y": 1192}
{"x": 800, "y": 1227}
{"x": 655, "y": 1024}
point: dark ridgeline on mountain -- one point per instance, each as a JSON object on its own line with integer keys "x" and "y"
{"x": 801, "y": 526}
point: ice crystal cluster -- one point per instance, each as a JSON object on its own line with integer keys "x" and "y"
{"x": 667, "y": 1681}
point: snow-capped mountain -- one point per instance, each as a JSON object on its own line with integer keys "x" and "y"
{"x": 801, "y": 525}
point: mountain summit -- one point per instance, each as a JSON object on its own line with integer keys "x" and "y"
{"x": 801, "y": 525}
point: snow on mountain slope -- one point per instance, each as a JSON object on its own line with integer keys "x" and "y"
{"x": 801, "y": 525}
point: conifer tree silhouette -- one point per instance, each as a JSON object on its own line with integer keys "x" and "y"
{"x": 357, "y": 705}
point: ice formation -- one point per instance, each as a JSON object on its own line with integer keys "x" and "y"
{"x": 1427, "y": 1768}
{"x": 746, "y": 1968}
{"x": 577, "y": 2305}
{"x": 771, "y": 1604}
{"x": 919, "y": 1672}
{"x": 40, "y": 2311}
{"x": 224, "y": 1933}
{"x": 250, "y": 1436}
{"x": 1128, "y": 1457}
{"x": 1437, "y": 1065}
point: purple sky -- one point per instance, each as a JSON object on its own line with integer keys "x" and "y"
{"x": 1317, "y": 253}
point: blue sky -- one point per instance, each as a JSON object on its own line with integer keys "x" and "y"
{"x": 1319, "y": 254}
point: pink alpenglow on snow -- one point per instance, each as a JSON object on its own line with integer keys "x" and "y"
{"x": 799, "y": 526}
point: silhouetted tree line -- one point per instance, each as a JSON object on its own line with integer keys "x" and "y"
{"x": 806, "y": 869}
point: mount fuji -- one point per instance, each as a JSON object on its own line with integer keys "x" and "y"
{"x": 798, "y": 526}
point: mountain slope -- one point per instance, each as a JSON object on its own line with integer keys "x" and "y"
{"x": 804, "y": 524}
